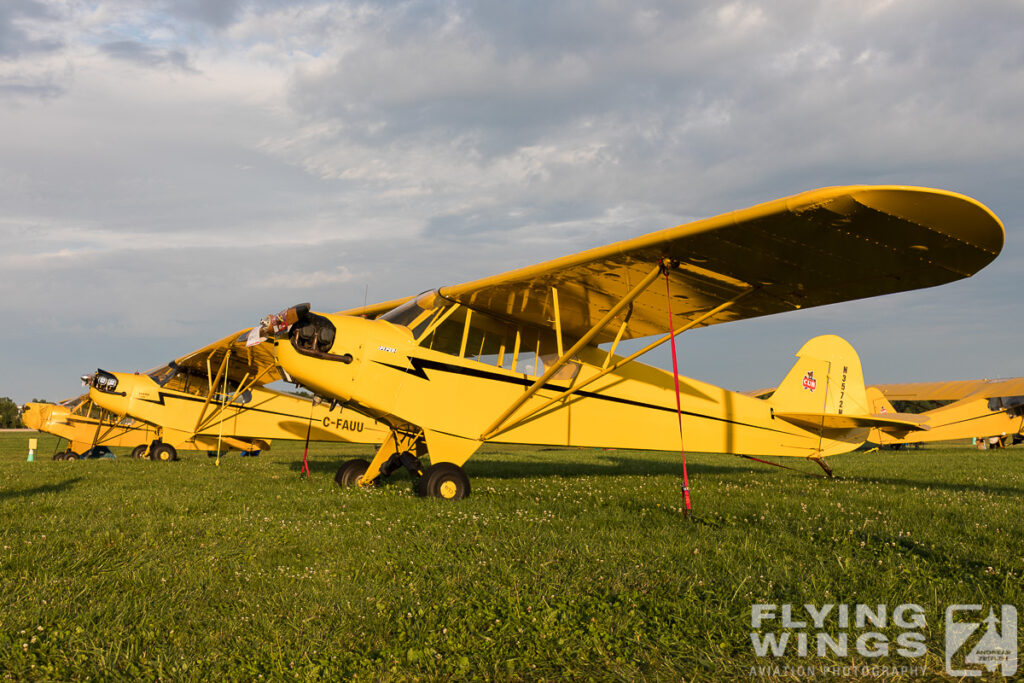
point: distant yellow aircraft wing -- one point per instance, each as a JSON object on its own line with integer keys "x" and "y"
{"x": 954, "y": 390}
{"x": 815, "y": 248}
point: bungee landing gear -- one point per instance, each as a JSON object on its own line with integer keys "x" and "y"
{"x": 443, "y": 480}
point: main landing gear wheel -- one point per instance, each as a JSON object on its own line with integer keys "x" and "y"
{"x": 350, "y": 471}
{"x": 139, "y": 451}
{"x": 164, "y": 452}
{"x": 444, "y": 480}
{"x": 71, "y": 455}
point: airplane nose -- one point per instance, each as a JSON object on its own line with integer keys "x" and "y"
{"x": 103, "y": 381}
{"x": 313, "y": 333}
{"x": 31, "y": 416}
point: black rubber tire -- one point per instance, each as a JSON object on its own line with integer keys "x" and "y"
{"x": 59, "y": 455}
{"x": 164, "y": 452}
{"x": 349, "y": 472}
{"x": 71, "y": 455}
{"x": 140, "y": 451}
{"x": 444, "y": 480}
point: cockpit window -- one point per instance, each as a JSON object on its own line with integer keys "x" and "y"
{"x": 188, "y": 381}
{"x": 74, "y": 403}
{"x": 482, "y": 337}
{"x": 239, "y": 400}
{"x": 162, "y": 375}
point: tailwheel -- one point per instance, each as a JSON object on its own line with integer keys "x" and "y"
{"x": 164, "y": 452}
{"x": 349, "y": 472}
{"x": 139, "y": 451}
{"x": 444, "y": 480}
{"x": 822, "y": 465}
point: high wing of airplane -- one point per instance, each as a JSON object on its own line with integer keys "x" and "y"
{"x": 953, "y": 390}
{"x": 515, "y": 358}
{"x": 217, "y": 395}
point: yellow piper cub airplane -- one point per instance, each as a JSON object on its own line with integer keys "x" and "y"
{"x": 515, "y": 358}
{"x": 979, "y": 409}
{"x": 82, "y": 425}
{"x": 188, "y": 402}
{"x": 87, "y": 427}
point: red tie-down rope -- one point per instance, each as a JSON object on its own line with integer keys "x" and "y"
{"x": 679, "y": 405}
{"x": 309, "y": 428}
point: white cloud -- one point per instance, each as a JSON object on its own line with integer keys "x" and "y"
{"x": 302, "y": 279}
{"x": 303, "y": 150}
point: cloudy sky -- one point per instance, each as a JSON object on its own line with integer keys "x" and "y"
{"x": 172, "y": 170}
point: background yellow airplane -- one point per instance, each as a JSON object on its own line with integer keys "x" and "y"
{"x": 217, "y": 396}
{"x": 515, "y": 358}
{"x": 85, "y": 427}
{"x": 89, "y": 429}
{"x": 980, "y": 409}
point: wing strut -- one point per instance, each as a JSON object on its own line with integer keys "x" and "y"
{"x": 211, "y": 389}
{"x": 500, "y": 427}
{"x": 584, "y": 340}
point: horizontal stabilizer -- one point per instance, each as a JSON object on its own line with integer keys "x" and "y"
{"x": 901, "y": 422}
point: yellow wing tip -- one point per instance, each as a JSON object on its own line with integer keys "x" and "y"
{"x": 950, "y": 213}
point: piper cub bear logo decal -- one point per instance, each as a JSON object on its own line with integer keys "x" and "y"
{"x": 809, "y": 382}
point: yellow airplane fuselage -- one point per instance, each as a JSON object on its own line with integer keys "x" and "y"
{"x": 381, "y": 369}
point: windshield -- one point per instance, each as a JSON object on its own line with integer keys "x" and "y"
{"x": 414, "y": 311}
{"x": 162, "y": 375}
{"x": 188, "y": 381}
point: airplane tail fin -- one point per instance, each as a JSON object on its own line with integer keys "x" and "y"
{"x": 826, "y": 379}
{"x": 878, "y": 403}
{"x": 824, "y": 393}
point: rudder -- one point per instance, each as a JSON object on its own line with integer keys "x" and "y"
{"x": 827, "y": 378}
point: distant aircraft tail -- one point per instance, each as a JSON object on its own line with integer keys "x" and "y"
{"x": 878, "y": 403}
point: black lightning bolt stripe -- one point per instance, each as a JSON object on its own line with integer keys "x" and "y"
{"x": 420, "y": 365}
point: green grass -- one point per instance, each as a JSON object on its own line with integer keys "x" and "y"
{"x": 562, "y": 564}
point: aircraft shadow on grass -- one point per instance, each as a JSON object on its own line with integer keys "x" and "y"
{"x": 607, "y": 465}
{"x": 942, "y": 485}
{"x": 6, "y": 494}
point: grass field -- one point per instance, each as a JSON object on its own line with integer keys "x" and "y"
{"x": 562, "y": 564}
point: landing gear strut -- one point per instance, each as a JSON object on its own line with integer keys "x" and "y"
{"x": 404, "y": 459}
